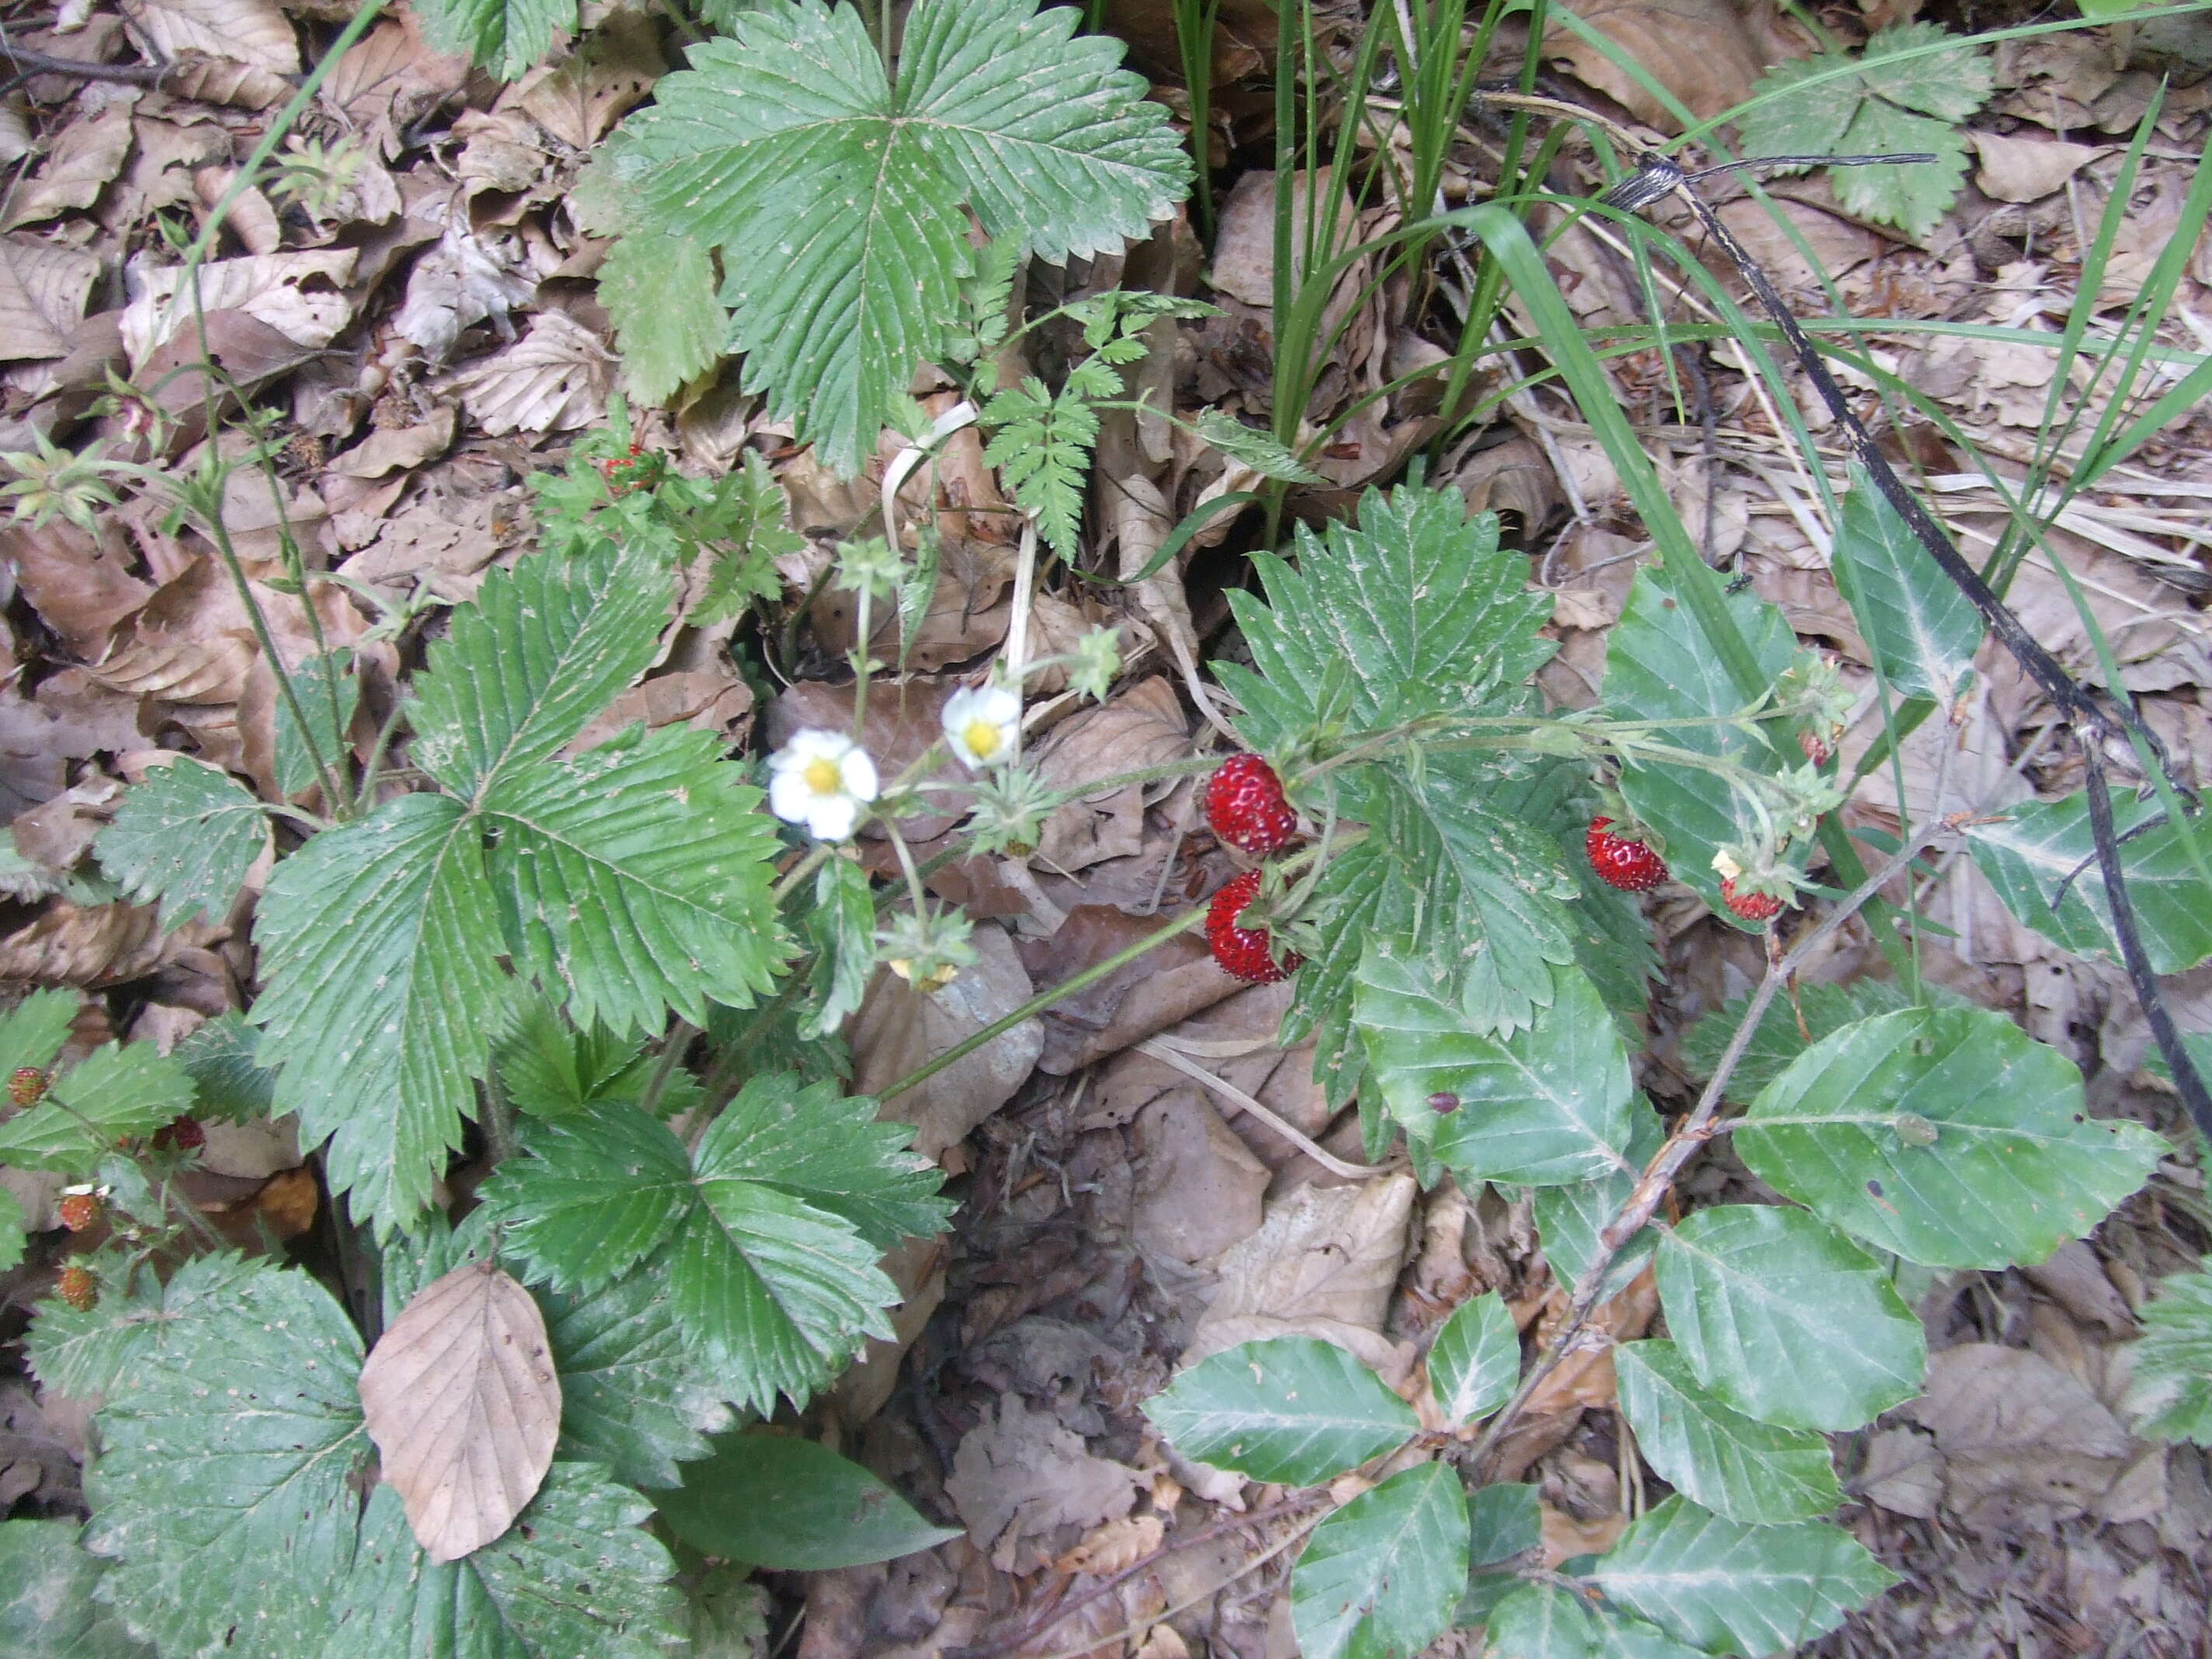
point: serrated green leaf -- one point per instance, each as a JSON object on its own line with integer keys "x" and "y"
{"x": 635, "y": 878}
{"x": 1379, "y": 1577}
{"x": 1727, "y": 1587}
{"x": 2169, "y": 1384}
{"x": 1475, "y": 1359}
{"x": 745, "y": 528}
{"x": 1781, "y": 1318}
{"x": 184, "y": 839}
{"x": 1255, "y": 446}
{"x": 2035, "y": 847}
{"x": 550, "y": 1069}
{"x": 508, "y": 37}
{"x": 594, "y": 1196}
{"x": 1950, "y": 85}
{"x": 1923, "y": 628}
{"x": 137, "y": 1318}
{"x": 1570, "y": 1219}
{"x": 791, "y": 1505}
{"x": 14, "y": 1229}
{"x": 1824, "y": 1009}
{"x": 118, "y": 1091}
{"x": 32, "y": 1031}
{"x": 575, "y": 1575}
{"x": 226, "y": 1484}
{"x": 660, "y": 292}
{"x": 1611, "y": 934}
{"x": 1544, "y": 1107}
{"x": 223, "y": 1058}
{"x": 1291, "y": 1408}
{"x": 329, "y": 699}
{"x": 843, "y": 924}
{"x": 543, "y": 649}
{"x": 1554, "y": 1621}
{"x": 2001, "y": 1166}
{"x": 1732, "y": 1464}
{"x": 836, "y": 198}
{"x": 46, "y": 1607}
{"x": 1785, "y": 117}
{"x": 1659, "y": 667}
{"x": 1913, "y": 197}
{"x": 380, "y": 948}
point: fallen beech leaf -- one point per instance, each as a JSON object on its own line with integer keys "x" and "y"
{"x": 1703, "y": 52}
{"x": 269, "y": 287}
{"x": 42, "y": 292}
{"x": 84, "y": 158}
{"x": 460, "y": 1397}
{"x": 214, "y": 80}
{"x": 554, "y": 379}
{"x": 589, "y": 91}
{"x": 91, "y": 945}
{"x": 251, "y": 32}
{"x": 1116, "y": 1545}
{"x": 2026, "y": 169}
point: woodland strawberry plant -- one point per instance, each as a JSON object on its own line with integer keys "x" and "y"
{"x": 614, "y": 970}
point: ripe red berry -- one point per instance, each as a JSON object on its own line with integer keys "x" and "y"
{"x": 79, "y": 1211}
{"x": 26, "y": 1085}
{"x": 1815, "y": 747}
{"x": 1245, "y": 806}
{"x": 182, "y": 1134}
{"x": 1244, "y": 951}
{"x": 1752, "y": 907}
{"x": 79, "y": 1288}
{"x": 1628, "y": 865}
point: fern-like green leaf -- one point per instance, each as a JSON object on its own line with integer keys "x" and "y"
{"x": 184, "y": 839}
{"x": 1042, "y": 451}
{"x": 837, "y": 197}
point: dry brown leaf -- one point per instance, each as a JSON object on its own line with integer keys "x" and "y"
{"x": 555, "y": 379}
{"x": 251, "y": 32}
{"x": 594, "y": 86}
{"x": 81, "y": 586}
{"x": 460, "y": 1397}
{"x": 272, "y": 288}
{"x": 15, "y": 133}
{"x": 2024, "y": 168}
{"x": 71, "y": 718}
{"x": 87, "y": 155}
{"x": 898, "y": 1029}
{"x": 712, "y": 699}
{"x": 1701, "y": 51}
{"x": 1018, "y": 1473}
{"x": 2024, "y": 1444}
{"x": 214, "y": 80}
{"x": 390, "y": 449}
{"x": 1565, "y": 1537}
{"x": 1140, "y": 727}
{"x": 42, "y": 292}
{"x": 90, "y": 946}
{"x": 1199, "y": 1187}
{"x": 1116, "y": 1545}
{"x": 392, "y": 79}
{"x": 1167, "y": 985}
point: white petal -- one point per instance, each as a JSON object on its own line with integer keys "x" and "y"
{"x": 857, "y": 774}
{"x": 831, "y": 818}
{"x": 789, "y": 798}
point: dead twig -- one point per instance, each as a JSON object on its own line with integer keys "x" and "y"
{"x": 32, "y": 64}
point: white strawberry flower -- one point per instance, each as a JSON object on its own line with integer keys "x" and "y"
{"x": 983, "y": 725}
{"x": 822, "y": 780}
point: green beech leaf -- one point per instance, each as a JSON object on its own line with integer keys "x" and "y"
{"x": 1923, "y": 628}
{"x": 1732, "y": 1464}
{"x": 1475, "y": 1359}
{"x": 1658, "y": 666}
{"x": 635, "y": 878}
{"x": 1570, "y": 1219}
{"x": 226, "y": 1484}
{"x": 379, "y": 946}
{"x": 1504, "y": 1520}
{"x": 510, "y": 38}
{"x": 836, "y": 198}
{"x": 791, "y": 1505}
{"x": 1292, "y": 1408}
{"x": 2034, "y": 848}
{"x": 1727, "y": 1587}
{"x": 117, "y": 1091}
{"x": 575, "y": 1574}
{"x": 1382, "y": 1575}
{"x": 184, "y": 839}
{"x": 2170, "y": 1388}
{"x": 1545, "y": 1106}
{"x": 660, "y": 292}
{"x": 543, "y": 647}
{"x": 2014, "y": 1166}
{"x": 1824, "y": 1009}
{"x": 328, "y": 697}
{"x": 1781, "y": 1318}
{"x": 46, "y": 1606}
{"x": 1555, "y": 1622}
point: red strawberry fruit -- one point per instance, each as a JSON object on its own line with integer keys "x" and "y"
{"x": 182, "y": 1134}
{"x": 26, "y": 1085}
{"x": 1245, "y": 806}
{"x": 1752, "y": 907}
{"x": 1244, "y": 951}
{"x": 79, "y": 1211}
{"x": 79, "y": 1288}
{"x": 1628, "y": 865}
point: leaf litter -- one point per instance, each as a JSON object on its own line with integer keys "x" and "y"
{"x": 433, "y": 332}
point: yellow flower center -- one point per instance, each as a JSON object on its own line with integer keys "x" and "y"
{"x": 981, "y": 737}
{"x": 824, "y": 777}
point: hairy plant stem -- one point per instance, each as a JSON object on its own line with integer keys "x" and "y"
{"x": 1700, "y": 1125}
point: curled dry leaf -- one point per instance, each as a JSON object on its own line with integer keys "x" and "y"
{"x": 460, "y": 1397}
{"x": 250, "y": 32}
{"x": 1116, "y": 1545}
{"x": 213, "y": 80}
{"x": 89, "y": 945}
{"x": 42, "y": 294}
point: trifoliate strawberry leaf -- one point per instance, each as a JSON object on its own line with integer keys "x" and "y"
{"x": 379, "y": 946}
{"x": 229, "y": 1082}
{"x": 541, "y": 650}
{"x": 328, "y": 691}
{"x": 32, "y": 1031}
{"x": 1913, "y": 197}
{"x": 14, "y": 1229}
{"x": 635, "y": 878}
{"x": 184, "y": 839}
{"x": 836, "y": 198}
{"x": 226, "y": 1487}
{"x": 1950, "y": 83}
{"x": 116, "y": 1092}
{"x": 91, "y": 1352}
{"x": 2170, "y": 1386}
{"x": 508, "y": 37}
{"x": 595, "y": 1196}
{"x": 659, "y": 291}
{"x": 47, "y": 1584}
{"x": 575, "y": 1574}
{"x": 550, "y": 1069}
